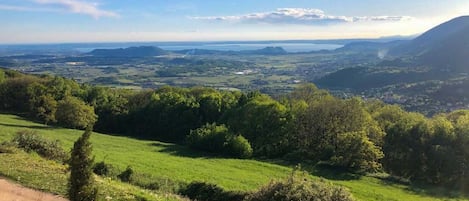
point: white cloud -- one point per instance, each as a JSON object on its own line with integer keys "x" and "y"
{"x": 80, "y": 7}
{"x": 305, "y": 16}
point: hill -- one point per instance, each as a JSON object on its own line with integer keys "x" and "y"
{"x": 161, "y": 161}
{"x": 142, "y": 51}
{"x": 381, "y": 48}
{"x": 413, "y": 73}
{"x": 445, "y": 46}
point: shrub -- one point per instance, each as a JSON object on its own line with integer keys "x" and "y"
{"x": 104, "y": 169}
{"x": 209, "y": 137}
{"x": 30, "y": 141}
{"x": 202, "y": 191}
{"x": 218, "y": 139}
{"x": 238, "y": 146}
{"x": 298, "y": 187}
{"x": 126, "y": 175}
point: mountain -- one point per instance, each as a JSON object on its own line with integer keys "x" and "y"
{"x": 445, "y": 46}
{"x": 142, "y": 51}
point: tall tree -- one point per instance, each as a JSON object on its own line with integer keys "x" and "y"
{"x": 81, "y": 184}
{"x": 74, "y": 113}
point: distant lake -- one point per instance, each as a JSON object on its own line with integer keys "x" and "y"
{"x": 289, "y": 47}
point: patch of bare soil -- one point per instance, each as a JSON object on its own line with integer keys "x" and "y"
{"x": 10, "y": 191}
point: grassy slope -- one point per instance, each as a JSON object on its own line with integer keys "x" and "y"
{"x": 162, "y": 160}
{"x": 33, "y": 171}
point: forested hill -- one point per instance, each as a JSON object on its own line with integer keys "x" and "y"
{"x": 308, "y": 124}
{"x": 445, "y": 46}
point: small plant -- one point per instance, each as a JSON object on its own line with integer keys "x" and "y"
{"x": 30, "y": 141}
{"x": 127, "y": 175}
{"x": 103, "y": 169}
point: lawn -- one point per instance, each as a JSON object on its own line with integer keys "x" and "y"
{"x": 161, "y": 160}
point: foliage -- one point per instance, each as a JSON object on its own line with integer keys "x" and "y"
{"x": 30, "y": 141}
{"x": 238, "y": 146}
{"x": 338, "y": 131}
{"x": 81, "y": 183}
{"x": 218, "y": 139}
{"x": 126, "y": 175}
{"x": 209, "y": 192}
{"x": 262, "y": 121}
{"x": 74, "y": 113}
{"x": 104, "y": 169}
{"x": 14, "y": 94}
{"x": 298, "y": 187}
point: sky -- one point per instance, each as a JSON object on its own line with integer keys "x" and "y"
{"x": 63, "y": 21}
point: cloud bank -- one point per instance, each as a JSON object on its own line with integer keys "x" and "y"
{"x": 304, "y": 16}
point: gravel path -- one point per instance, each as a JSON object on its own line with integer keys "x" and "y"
{"x": 10, "y": 191}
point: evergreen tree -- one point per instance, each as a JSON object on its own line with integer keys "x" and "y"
{"x": 81, "y": 185}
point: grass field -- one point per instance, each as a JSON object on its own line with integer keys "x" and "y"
{"x": 168, "y": 161}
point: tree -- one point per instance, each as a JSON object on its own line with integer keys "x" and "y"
{"x": 74, "y": 113}
{"x": 81, "y": 184}
{"x": 338, "y": 131}
{"x": 263, "y": 121}
{"x": 14, "y": 93}
{"x": 42, "y": 104}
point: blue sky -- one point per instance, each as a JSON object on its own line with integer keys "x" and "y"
{"x": 56, "y": 21}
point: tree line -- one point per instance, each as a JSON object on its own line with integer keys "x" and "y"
{"x": 306, "y": 124}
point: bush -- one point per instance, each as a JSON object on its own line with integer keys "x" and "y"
{"x": 238, "y": 146}
{"x": 298, "y": 187}
{"x": 104, "y": 169}
{"x": 218, "y": 139}
{"x": 202, "y": 191}
{"x": 127, "y": 175}
{"x": 30, "y": 141}
{"x": 209, "y": 137}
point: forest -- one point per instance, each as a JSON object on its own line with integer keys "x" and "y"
{"x": 308, "y": 125}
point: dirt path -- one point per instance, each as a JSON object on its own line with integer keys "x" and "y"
{"x": 10, "y": 191}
